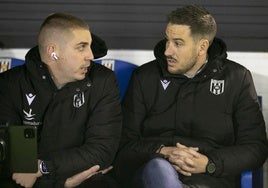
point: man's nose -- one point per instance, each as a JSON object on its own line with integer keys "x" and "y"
{"x": 168, "y": 50}
{"x": 90, "y": 54}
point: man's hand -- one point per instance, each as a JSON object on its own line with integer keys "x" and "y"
{"x": 77, "y": 179}
{"x": 26, "y": 179}
{"x": 186, "y": 160}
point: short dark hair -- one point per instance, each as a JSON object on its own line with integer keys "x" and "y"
{"x": 64, "y": 21}
{"x": 201, "y": 22}
{"x": 59, "y": 22}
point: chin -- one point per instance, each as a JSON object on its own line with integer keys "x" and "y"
{"x": 173, "y": 71}
{"x": 80, "y": 77}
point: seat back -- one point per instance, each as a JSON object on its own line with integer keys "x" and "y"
{"x": 123, "y": 71}
{"x": 8, "y": 63}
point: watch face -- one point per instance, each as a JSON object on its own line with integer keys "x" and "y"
{"x": 43, "y": 168}
{"x": 211, "y": 168}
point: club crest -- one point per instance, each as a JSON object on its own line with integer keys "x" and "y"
{"x": 5, "y": 64}
{"x": 79, "y": 100}
{"x": 109, "y": 63}
{"x": 216, "y": 86}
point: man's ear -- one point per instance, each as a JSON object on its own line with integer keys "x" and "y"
{"x": 203, "y": 47}
{"x": 51, "y": 52}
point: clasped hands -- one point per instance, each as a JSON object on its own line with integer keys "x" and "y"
{"x": 186, "y": 160}
{"x": 28, "y": 179}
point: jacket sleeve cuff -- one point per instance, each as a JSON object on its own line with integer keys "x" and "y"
{"x": 50, "y": 167}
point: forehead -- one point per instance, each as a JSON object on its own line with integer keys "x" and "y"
{"x": 178, "y": 31}
{"x": 80, "y": 35}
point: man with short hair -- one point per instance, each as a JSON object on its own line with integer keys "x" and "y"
{"x": 191, "y": 117}
{"x": 74, "y": 102}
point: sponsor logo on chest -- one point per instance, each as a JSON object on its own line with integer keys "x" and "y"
{"x": 29, "y": 111}
{"x": 165, "y": 83}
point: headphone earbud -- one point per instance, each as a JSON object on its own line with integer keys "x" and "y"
{"x": 54, "y": 55}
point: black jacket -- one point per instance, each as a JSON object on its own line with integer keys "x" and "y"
{"x": 217, "y": 111}
{"x": 79, "y": 125}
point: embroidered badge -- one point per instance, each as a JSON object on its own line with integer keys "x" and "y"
{"x": 216, "y": 86}
{"x": 165, "y": 83}
{"x": 79, "y": 100}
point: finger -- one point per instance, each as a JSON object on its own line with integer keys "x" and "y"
{"x": 184, "y": 152}
{"x": 183, "y": 147}
{"x": 186, "y": 165}
{"x": 180, "y": 145}
{"x": 193, "y": 151}
{"x": 180, "y": 170}
{"x": 187, "y": 168}
{"x": 189, "y": 162}
{"x": 94, "y": 168}
{"x": 179, "y": 162}
{"x": 14, "y": 176}
{"x": 107, "y": 170}
{"x": 91, "y": 171}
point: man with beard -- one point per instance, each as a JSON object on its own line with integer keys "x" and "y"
{"x": 191, "y": 117}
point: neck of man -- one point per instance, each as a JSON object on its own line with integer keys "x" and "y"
{"x": 198, "y": 67}
{"x": 56, "y": 79}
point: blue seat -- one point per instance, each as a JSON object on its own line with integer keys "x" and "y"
{"x": 122, "y": 69}
{"x": 246, "y": 179}
{"x": 252, "y": 179}
{"x": 8, "y": 63}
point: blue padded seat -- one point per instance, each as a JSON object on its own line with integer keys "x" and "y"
{"x": 122, "y": 69}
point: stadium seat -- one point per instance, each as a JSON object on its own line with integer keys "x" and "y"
{"x": 122, "y": 69}
{"x": 8, "y": 63}
{"x": 246, "y": 179}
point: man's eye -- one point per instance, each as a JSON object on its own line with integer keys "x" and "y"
{"x": 81, "y": 48}
{"x": 178, "y": 44}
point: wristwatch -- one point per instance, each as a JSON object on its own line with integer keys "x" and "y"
{"x": 43, "y": 168}
{"x": 211, "y": 167}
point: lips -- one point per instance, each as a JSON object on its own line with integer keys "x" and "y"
{"x": 171, "y": 61}
{"x": 84, "y": 70}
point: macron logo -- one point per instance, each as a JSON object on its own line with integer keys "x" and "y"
{"x": 165, "y": 83}
{"x": 30, "y": 97}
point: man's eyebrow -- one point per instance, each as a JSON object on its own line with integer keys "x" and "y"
{"x": 174, "y": 38}
{"x": 180, "y": 39}
{"x": 82, "y": 43}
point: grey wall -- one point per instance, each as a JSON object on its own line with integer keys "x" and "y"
{"x": 135, "y": 24}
